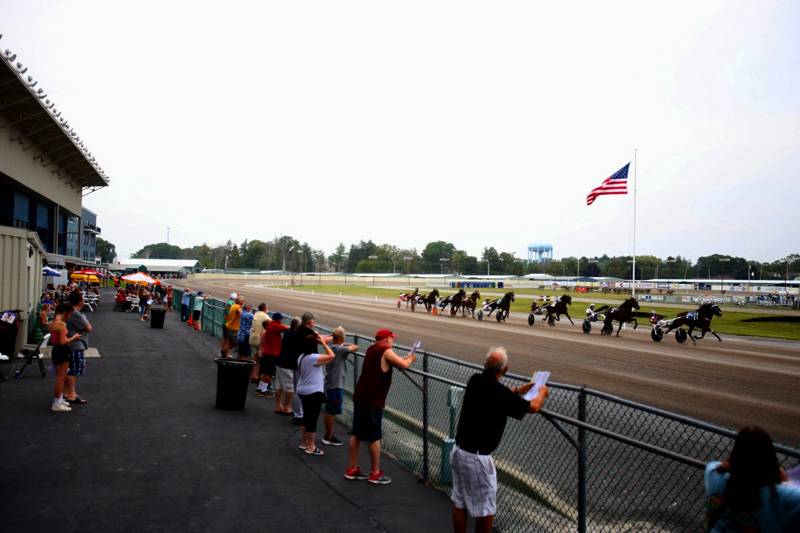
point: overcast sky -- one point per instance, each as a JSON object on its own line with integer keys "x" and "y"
{"x": 472, "y": 122}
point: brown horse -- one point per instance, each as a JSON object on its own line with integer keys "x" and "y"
{"x": 622, "y": 314}
{"x": 556, "y": 309}
{"x": 469, "y": 305}
{"x": 697, "y": 319}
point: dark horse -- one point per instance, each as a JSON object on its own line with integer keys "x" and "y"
{"x": 622, "y": 314}
{"x": 454, "y": 301}
{"x": 469, "y": 305}
{"x": 429, "y": 300}
{"x": 502, "y": 306}
{"x": 697, "y": 319}
{"x": 556, "y": 309}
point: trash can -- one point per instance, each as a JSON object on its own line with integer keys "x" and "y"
{"x": 233, "y": 380}
{"x": 9, "y": 329}
{"x": 157, "y": 314}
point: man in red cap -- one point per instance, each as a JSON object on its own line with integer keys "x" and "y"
{"x": 369, "y": 399}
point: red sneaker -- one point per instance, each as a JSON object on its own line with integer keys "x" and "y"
{"x": 355, "y": 474}
{"x": 379, "y": 478}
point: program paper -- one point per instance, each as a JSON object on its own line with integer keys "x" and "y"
{"x": 539, "y": 379}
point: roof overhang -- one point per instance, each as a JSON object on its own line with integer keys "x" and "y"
{"x": 33, "y": 121}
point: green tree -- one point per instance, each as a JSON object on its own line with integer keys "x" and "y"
{"x": 337, "y": 258}
{"x": 491, "y": 257}
{"x": 434, "y": 252}
{"x": 106, "y": 251}
{"x": 159, "y": 250}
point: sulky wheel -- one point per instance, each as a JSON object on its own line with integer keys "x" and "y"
{"x": 453, "y": 311}
{"x": 480, "y": 314}
{"x": 657, "y": 334}
{"x": 531, "y": 319}
{"x": 551, "y": 322}
{"x": 501, "y": 315}
{"x": 413, "y": 305}
{"x": 587, "y": 327}
{"x": 681, "y": 335}
{"x": 608, "y": 329}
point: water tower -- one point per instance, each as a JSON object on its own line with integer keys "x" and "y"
{"x": 540, "y": 253}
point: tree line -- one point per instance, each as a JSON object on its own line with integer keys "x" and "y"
{"x": 287, "y": 253}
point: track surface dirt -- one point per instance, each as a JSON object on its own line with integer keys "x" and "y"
{"x": 733, "y": 383}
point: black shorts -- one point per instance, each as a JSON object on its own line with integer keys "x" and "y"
{"x": 267, "y": 365}
{"x": 312, "y": 405}
{"x": 61, "y": 354}
{"x": 195, "y": 315}
{"x": 367, "y": 423}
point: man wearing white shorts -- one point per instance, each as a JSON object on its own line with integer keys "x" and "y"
{"x": 487, "y": 404}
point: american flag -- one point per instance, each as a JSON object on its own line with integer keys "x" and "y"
{"x": 617, "y": 183}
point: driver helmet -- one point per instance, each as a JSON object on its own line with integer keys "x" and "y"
{"x": 591, "y": 306}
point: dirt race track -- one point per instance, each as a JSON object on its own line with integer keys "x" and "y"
{"x": 734, "y": 383}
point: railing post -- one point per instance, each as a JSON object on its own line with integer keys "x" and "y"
{"x": 425, "y": 454}
{"x": 355, "y": 365}
{"x": 582, "y": 462}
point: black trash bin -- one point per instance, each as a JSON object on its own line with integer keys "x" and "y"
{"x": 233, "y": 380}
{"x": 157, "y": 314}
{"x": 8, "y": 334}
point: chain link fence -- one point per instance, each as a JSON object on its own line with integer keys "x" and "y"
{"x": 590, "y": 461}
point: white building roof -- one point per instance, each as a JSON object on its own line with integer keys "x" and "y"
{"x": 156, "y": 264}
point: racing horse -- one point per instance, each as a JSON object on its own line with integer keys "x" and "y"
{"x": 410, "y": 298}
{"x": 429, "y": 300}
{"x": 622, "y": 314}
{"x": 697, "y": 319}
{"x": 502, "y": 306}
{"x": 553, "y": 311}
{"x": 454, "y": 301}
{"x": 469, "y": 304}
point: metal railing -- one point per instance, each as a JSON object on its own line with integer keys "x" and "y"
{"x": 591, "y": 462}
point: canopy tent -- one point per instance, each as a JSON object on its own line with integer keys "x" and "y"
{"x": 140, "y": 278}
{"x": 47, "y": 271}
{"x": 90, "y": 272}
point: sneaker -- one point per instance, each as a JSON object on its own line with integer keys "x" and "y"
{"x": 302, "y": 447}
{"x": 355, "y": 474}
{"x": 58, "y": 407}
{"x": 333, "y": 441}
{"x": 315, "y": 451}
{"x": 379, "y": 478}
{"x": 261, "y": 393}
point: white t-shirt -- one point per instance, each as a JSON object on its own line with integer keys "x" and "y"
{"x": 310, "y": 377}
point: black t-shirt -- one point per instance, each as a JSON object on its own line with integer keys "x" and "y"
{"x": 487, "y": 403}
{"x": 289, "y": 352}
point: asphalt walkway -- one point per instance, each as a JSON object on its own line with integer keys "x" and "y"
{"x": 149, "y": 452}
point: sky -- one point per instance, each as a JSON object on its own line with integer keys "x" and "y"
{"x": 482, "y": 124}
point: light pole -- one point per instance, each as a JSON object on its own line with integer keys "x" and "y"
{"x": 721, "y": 274}
{"x": 373, "y": 258}
{"x": 408, "y": 259}
{"x": 284, "y": 262}
{"x": 442, "y": 261}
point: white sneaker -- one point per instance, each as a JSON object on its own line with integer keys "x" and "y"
{"x": 63, "y": 401}
{"x": 60, "y": 408}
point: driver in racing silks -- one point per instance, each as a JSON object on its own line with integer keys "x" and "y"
{"x": 590, "y": 313}
{"x": 491, "y": 306}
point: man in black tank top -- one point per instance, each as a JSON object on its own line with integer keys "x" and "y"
{"x": 369, "y": 399}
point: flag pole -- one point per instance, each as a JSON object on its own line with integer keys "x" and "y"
{"x": 633, "y": 270}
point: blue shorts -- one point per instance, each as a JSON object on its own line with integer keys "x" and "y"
{"x": 244, "y": 348}
{"x": 333, "y": 401}
{"x": 77, "y": 363}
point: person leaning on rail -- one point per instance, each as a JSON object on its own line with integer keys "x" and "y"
{"x": 487, "y": 404}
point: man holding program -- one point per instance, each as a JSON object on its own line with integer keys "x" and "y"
{"x": 487, "y": 404}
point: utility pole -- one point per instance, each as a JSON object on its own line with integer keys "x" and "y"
{"x": 167, "y": 234}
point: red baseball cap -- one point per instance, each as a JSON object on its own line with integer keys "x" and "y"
{"x": 383, "y": 333}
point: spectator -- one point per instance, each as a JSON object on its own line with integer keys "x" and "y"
{"x": 259, "y": 318}
{"x": 270, "y": 349}
{"x": 245, "y": 323}
{"x": 186, "y": 299}
{"x": 232, "y": 322}
{"x": 369, "y": 399}
{"x": 60, "y": 340}
{"x": 43, "y": 318}
{"x": 748, "y": 491}
{"x": 168, "y": 298}
{"x": 198, "y": 309}
{"x": 487, "y": 404}
{"x": 76, "y": 323}
{"x": 310, "y": 390}
{"x": 334, "y": 384}
{"x": 306, "y": 343}
{"x": 226, "y": 345}
{"x": 284, "y": 371}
